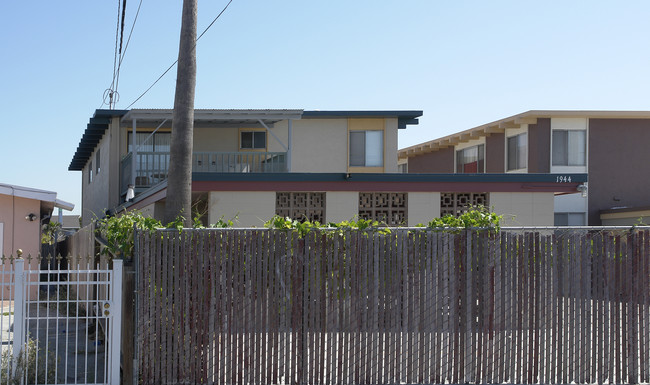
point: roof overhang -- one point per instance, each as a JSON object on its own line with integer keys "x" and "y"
{"x": 95, "y": 130}
{"x": 404, "y": 117}
{"x": 35, "y": 194}
{"x": 211, "y": 117}
{"x": 515, "y": 121}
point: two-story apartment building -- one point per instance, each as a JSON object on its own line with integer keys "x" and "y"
{"x": 609, "y": 146}
{"x": 324, "y": 165}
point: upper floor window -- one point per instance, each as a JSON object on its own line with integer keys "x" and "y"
{"x": 158, "y": 142}
{"x": 366, "y": 148}
{"x": 97, "y": 164}
{"x": 569, "y": 147}
{"x": 252, "y": 140}
{"x": 471, "y": 159}
{"x": 90, "y": 172}
{"x": 517, "y": 151}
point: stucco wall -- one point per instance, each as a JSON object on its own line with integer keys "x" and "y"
{"x": 96, "y": 194}
{"x": 539, "y": 146}
{"x": 341, "y": 205}
{"x": 320, "y": 145}
{"x": 252, "y": 208}
{"x": 619, "y": 171}
{"x": 19, "y": 233}
{"x": 441, "y": 161}
{"x": 224, "y": 139}
{"x": 523, "y": 209}
{"x": 423, "y": 207}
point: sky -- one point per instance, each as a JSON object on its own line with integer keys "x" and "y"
{"x": 463, "y": 63}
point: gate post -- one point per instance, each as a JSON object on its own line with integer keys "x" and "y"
{"x": 116, "y": 322}
{"x": 19, "y": 308}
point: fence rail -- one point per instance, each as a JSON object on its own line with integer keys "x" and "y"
{"x": 261, "y": 306}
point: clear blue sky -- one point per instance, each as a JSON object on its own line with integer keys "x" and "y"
{"x": 464, "y": 63}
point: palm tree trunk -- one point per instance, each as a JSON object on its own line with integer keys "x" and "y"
{"x": 179, "y": 180}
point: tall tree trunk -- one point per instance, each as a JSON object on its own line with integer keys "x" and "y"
{"x": 179, "y": 181}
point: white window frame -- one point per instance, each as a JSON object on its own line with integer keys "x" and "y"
{"x": 370, "y": 159}
{"x": 568, "y": 148}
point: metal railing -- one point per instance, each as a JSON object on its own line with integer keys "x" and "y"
{"x": 152, "y": 167}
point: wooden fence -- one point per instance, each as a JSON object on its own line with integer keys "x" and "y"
{"x": 411, "y": 306}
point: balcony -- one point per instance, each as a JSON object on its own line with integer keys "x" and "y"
{"x": 152, "y": 167}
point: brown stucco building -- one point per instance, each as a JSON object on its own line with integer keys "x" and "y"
{"x": 609, "y": 146}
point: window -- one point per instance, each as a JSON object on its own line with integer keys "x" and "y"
{"x": 569, "y": 148}
{"x": 459, "y": 203}
{"x": 90, "y": 172}
{"x": 158, "y": 142}
{"x": 301, "y": 205}
{"x": 569, "y": 219}
{"x": 97, "y": 162}
{"x": 252, "y": 140}
{"x": 366, "y": 148}
{"x": 403, "y": 168}
{"x": 471, "y": 159}
{"x": 388, "y": 208}
{"x": 517, "y": 151}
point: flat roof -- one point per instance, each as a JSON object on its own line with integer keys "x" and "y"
{"x": 515, "y": 121}
{"x": 36, "y": 194}
{"x": 98, "y": 124}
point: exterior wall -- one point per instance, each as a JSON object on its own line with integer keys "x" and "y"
{"x": 320, "y": 145}
{"x": 437, "y": 162}
{"x": 19, "y": 233}
{"x": 96, "y": 194}
{"x": 390, "y": 145}
{"x": 523, "y": 209}
{"x": 620, "y": 175}
{"x": 252, "y": 208}
{"x": 423, "y": 207}
{"x": 225, "y": 139}
{"x": 341, "y": 205}
{"x": 494, "y": 153}
{"x": 539, "y": 146}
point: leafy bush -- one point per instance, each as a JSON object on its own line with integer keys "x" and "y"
{"x": 477, "y": 217}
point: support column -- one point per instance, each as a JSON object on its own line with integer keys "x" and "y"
{"x": 289, "y": 134}
{"x": 134, "y": 154}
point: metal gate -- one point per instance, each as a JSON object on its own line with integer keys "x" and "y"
{"x": 60, "y": 325}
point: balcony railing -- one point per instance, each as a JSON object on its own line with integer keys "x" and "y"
{"x": 152, "y": 167}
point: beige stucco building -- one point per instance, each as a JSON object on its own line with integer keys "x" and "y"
{"x": 326, "y": 166}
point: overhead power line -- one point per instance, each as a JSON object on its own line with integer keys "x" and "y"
{"x": 176, "y": 61}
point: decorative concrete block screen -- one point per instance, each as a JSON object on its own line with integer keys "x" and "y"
{"x": 549, "y": 306}
{"x": 458, "y": 203}
{"x": 388, "y": 208}
{"x": 301, "y": 205}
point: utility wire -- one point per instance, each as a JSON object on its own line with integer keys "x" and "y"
{"x": 175, "y": 62}
{"x": 126, "y": 46}
{"x": 116, "y": 55}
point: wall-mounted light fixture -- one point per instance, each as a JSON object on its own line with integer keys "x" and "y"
{"x": 582, "y": 189}
{"x": 130, "y": 192}
{"x": 31, "y": 217}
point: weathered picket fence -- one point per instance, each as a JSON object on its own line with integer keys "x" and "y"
{"x": 410, "y": 306}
